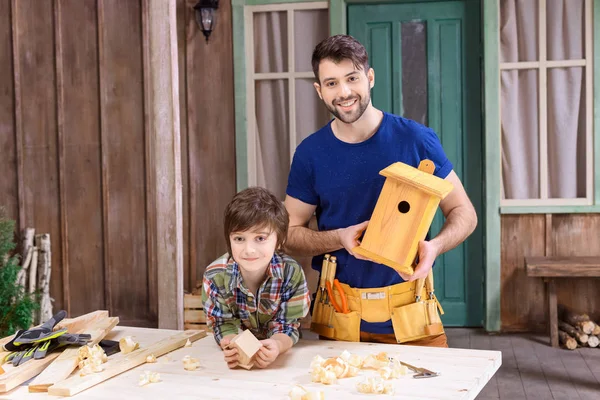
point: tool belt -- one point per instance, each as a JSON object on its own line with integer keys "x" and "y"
{"x": 414, "y": 315}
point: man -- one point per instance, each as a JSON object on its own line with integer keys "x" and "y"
{"x": 335, "y": 172}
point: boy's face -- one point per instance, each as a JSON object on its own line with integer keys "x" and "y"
{"x": 345, "y": 90}
{"x": 253, "y": 249}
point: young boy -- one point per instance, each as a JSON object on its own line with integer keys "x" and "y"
{"x": 254, "y": 286}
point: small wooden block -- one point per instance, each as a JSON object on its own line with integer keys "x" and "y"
{"x": 247, "y": 345}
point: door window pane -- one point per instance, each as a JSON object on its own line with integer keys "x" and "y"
{"x": 310, "y": 27}
{"x": 311, "y": 113}
{"x": 414, "y": 71}
{"x": 518, "y": 30}
{"x": 270, "y": 42}
{"x": 565, "y": 24}
{"x": 272, "y": 135}
{"x": 566, "y": 133}
{"x": 520, "y": 134}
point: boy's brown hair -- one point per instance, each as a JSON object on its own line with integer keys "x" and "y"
{"x": 338, "y": 48}
{"x": 256, "y": 207}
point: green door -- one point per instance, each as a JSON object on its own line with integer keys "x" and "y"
{"x": 426, "y": 61}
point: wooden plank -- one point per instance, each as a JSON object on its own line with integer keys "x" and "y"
{"x": 577, "y": 370}
{"x": 189, "y": 270}
{"x": 35, "y": 95}
{"x": 66, "y": 363}
{"x": 122, "y": 131}
{"x": 165, "y": 149}
{"x": 552, "y": 312}
{"x": 9, "y": 184}
{"x": 192, "y": 301}
{"x": 508, "y": 377}
{"x": 522, "y": 236}
{"x": 194, "y": 316}
{"x": 211, "y": 157}
{"x": 557, "y": 378}
{"x": 121, "y": 364}
{"x": 532, "y": 376}
{"x": 578, "y": 235}
{"x": 79, "y": 152}
{"x": 14, "y": 376}
{"x": 563, "y": 266}
{"x": 81, "y": 322}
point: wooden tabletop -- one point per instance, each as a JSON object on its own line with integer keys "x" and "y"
{"x": 464, "y": 373}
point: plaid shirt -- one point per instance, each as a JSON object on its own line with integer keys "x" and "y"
{"x": 283, "y": 299}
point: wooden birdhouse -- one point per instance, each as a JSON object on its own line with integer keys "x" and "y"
{"x": 403, "y": 214}
{"x": 247, "y": 345}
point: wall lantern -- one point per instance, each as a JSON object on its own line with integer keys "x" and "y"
{"x": 206, "y": 16}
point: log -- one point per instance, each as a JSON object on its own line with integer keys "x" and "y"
{"x": 581, "y": 321}
{"x": 593, "y": 341}
{"x": 596, "y": 330}
{"x": 567, "y": 340}
{"x": 22, "y": 275}
{"x": 574, "y": 333}
{"x": 33, "y": 271}
{"x": 26, "y": 245}
{"x": 44, "y": 272}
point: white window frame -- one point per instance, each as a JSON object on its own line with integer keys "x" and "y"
{"x": 291, "y": 75}
{"x": 542, "y": 66}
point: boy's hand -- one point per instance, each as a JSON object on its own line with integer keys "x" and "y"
{"x": 230, "y": 355}
{"x": 267, "y": 353}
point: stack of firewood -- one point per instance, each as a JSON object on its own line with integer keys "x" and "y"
{"x": 35, "y": 271}
{"x": 577, "y": 330}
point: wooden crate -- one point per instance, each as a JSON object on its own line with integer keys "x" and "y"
{"x": 193, "y": 312}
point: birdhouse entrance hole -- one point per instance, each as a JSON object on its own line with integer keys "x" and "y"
{"x": 403, "y": 207}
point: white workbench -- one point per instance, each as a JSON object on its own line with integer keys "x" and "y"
{"x": 464, "y": 373}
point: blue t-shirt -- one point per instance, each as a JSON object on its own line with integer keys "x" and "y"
{"x": 342, "y": 180}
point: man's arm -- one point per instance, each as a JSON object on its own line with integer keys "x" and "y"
{"x": 461, "y": 220}
{"x": 304, "y": 241}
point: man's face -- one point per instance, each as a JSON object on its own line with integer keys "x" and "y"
{"x": 345, "y": 90}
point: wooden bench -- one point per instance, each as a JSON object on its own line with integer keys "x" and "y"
{"x": 551, "y": 268}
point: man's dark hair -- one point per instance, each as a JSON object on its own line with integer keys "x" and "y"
{"x": 338, "y": 48}
{"x": 256, "y": 207}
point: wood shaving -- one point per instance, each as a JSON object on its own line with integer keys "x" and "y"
{"x": 149, "y": 377}
{"x": 376, "y": 361}
{"x": 190, "y": 364}
{"x": 300, "y": 393}
{"x": 353, "y": 359}
{"x": 328, "y": 370}
{"x": 127, "y": 345}
{"x": 375, "y": 385}
{"x": 90, "y": 359}
{"x": 151, "y": 358}
{"x": 188, "y": 343}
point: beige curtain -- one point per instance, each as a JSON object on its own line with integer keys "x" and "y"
{"x": 272, "y": 96}
{"x": 565, "y": 100}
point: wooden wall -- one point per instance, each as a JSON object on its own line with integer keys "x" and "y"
{"x": 74, "y": 152}
{"x": 523, "y": 299}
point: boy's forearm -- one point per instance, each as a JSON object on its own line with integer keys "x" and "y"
{"x": 284, "y": 341}
{"x": 307, "y": 242}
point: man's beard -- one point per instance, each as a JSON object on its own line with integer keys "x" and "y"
{"x": 352, "y": 117}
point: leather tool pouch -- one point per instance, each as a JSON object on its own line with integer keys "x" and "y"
{"x": 417, "y": 320}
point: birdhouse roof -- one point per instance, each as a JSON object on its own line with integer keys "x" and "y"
{"x": 422, "y": 180}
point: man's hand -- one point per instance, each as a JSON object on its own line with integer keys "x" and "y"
{"x": 267, "y": 353}
{"x": 349, "y": 237}
{"x": 428, "y": 251}
{"x": 230, "y": 355}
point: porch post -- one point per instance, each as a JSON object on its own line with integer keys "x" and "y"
{"x": 164, "y": 153}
